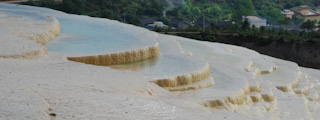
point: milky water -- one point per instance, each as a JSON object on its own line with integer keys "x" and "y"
{"x": 83, "y": 35}
{"x": 228, "y": 78}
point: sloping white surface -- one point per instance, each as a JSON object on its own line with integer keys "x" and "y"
{"x": 40, "y": 88}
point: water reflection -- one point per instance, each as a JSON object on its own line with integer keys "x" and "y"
{"x": 137, "y": 66}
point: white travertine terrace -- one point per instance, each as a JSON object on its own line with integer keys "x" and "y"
{"x": 186, "y": 79}
{"x": 120, "y": 57}
{"x": 23, "y": 27}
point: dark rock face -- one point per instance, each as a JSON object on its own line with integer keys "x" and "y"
{"x": 305, "y": 54}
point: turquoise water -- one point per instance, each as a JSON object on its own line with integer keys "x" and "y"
{"x": 83, "y": 35}
{"x": 168, "y": 66}
{"x": 88, "y": 36}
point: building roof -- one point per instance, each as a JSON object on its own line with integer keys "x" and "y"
{"x": 303, "y": 7}
{"x": 179, "y": 23}
{"x": 287, "y": 12}
{"x": 311, "y": 13}
{"x": 200, "y": 23}
{"x": 184, "y": 25}
{"x": 147, "y": 21}
{"x": 222, "y": 23}
{"x": 158, "y": 24}
{"x": 175, "y": 21}
{"x": 254, "y": 18}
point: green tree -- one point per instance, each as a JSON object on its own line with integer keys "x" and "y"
{"x": 272, "y": 15}
{"x": 262, "y": 30}
{"x": 245, "y": 24}
{"x": 286, "y": 21}
{"x": 289, "y": 5}
{"x": 136, "y": 10}
{"x": 318, "y": 27}
{"x": 298, "y": 2}
{"x": 242, "y": 8}
{"x": 308, "y": 26}
{"x": 297, "y": 20}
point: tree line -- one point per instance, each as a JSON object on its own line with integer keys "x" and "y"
{"x": 131, "y": 11}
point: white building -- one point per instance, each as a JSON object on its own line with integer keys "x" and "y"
{"x": 287, "y": 13}
{"x": 255, "y": 20}
{"x": 306, "y": 13}
{"x": 158, "y": 24}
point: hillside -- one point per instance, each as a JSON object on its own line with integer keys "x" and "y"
{"x": 131, "y": 11}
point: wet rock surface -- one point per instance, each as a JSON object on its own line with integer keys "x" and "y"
{"x": 186, "y": 79}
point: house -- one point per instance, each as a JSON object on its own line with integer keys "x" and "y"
{"x": 202, "y": 23}
{"x": 157, "y": 24}
{"x": 206, "y": 24}
{"x": 223, "y": 23}
{"x": 184, "y": 25}
{"x": 306, "y": 13}
{"x": 152, "y": 23}
{"x": 287, "y": 13}
{"x": 255, "y": 20}
{"x": 145, "y": 22}
{"x": 175, "y": 22}
{"x": 181, "y": 24}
